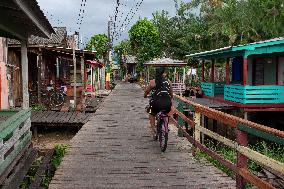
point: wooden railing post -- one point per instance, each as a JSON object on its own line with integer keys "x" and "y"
{"x": 242, "y": 139}
{"x": 197, "y": 117}
{"x": 181, "y": 122}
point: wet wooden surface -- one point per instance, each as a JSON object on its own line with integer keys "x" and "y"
{"x": 115, "y": 150}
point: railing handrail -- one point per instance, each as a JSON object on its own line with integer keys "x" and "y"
{"x": 234, "y": 119}
{"x": 243, "y": 152}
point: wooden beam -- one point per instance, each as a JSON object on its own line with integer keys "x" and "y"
{"x": 75, "y": 73}
{"x": 83, "y": 81}
{"x": 213, "y": 71}
{"x": 25, "y": 75}
{"x": 245, "y": 71}
{"x": 228, "y": 71}
{"x": 251, "y": 154}
{"x": 39, "y": 62}
{"x": 203, "y": 70}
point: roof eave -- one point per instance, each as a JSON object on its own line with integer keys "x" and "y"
{"x": 45, "y": 29}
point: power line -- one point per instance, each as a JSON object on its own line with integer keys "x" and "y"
{"x": 52, "y": 17}
{"x": 129, "y": 20}
{"x": 115, "y": 18}
{"x": 126, "y": 18}
{"x": 81, "y": 14}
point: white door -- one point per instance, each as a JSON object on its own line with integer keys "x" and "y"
{"x": 281, "y": 71}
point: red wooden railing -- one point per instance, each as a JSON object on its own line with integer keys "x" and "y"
{"x": 243, "y": 128}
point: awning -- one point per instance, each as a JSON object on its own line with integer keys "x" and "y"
{"x": 94, "y": 63}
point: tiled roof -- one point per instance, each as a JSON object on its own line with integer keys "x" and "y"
{"x": 57, "y": 39}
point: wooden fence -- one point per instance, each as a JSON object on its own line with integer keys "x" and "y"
{"x": 243, "y": 128}
{"x": 266, "y": 94}
{"x": 15, "y": 136}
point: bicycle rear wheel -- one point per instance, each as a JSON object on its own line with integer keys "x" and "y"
{"x": 163, "y": 136}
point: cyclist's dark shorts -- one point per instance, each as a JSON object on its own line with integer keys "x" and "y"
{"x": 157, "y": 105}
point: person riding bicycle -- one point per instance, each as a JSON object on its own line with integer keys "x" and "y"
{"x": 161, "y": 98}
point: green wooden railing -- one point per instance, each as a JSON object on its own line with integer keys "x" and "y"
{"x": 254, "y": 94}
{"x": 15, "y": 135}
{"x": 212, "y": 89}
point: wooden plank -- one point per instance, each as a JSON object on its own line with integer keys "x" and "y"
{"x": 232, "y": 121}
{"x": 62, "y": 117}
{"x": 251, "y": 154}
{"x": 68, "y": 117}
{"x": 20, "y": 170}
{"x": 7, "y": 166}
{"x": 17, "y": 134}
{"x": 262, "y": 134}
{"x": 244, "y": 173}
{"x": 255, "y": 180}
{"x": 25, "y": 76}
{"x": 197, "y": 117}
{"x": 41, "y": 171}
{"x": 261, "y": 159}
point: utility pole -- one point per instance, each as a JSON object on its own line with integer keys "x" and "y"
{"x": 75, "y": 69}
{"x": 109, "y": 52}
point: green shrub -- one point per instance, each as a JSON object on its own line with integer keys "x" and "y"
{"x": 59, "y": 152}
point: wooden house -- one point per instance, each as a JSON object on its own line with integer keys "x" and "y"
{"x": 50, "y": 61}
{"x": 19, "y": 20}
{"x": 254, "y": 75}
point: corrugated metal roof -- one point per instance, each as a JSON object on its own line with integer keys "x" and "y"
{"x": 59, "y": 38}
{"x": 23, "y": 18}
{"x": 238, "y": 49}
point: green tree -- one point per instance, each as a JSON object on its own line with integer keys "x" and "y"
{"x": 145, "y": 41}
{"x": 101, "y": 43}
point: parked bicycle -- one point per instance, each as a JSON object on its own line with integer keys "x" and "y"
{"x": 50, "y": 97}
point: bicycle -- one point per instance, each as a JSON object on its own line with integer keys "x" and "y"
{"x": 57, "y": 97}
{"x": 162, "y": 129}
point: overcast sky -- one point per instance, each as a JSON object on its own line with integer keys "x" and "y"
{"x": 97, "y": 13}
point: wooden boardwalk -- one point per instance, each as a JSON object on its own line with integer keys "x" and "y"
{"x": 55, "y": 118}
{"x": 114, "y": 150}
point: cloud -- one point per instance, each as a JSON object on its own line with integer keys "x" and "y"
{"x": 97, "y": 13}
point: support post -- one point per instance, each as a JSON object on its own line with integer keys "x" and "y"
{"x": 183, "y": 77}
{"x": 148, "y": 75}
{"x": 75, "y": 70}
{"x": 181, "y": 122}
{"x": 25, "y": 75}
{"x": 175, "y": 73}
{"x": 213, "y": 71}
{"x": 245, "y": 71}
{"x": 83, "y": 80}
{"x": 197, "y": 117}
{"x": 203, "y": 125}
{"x": 39, "y": 64}
{"x": 203, "y": 70}
{"x": 242, "y": 139}
{"x": 57, "y": 67}
{"x": 228, "y": 71}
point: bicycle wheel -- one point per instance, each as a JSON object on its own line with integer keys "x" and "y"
{"x": 163, "y": 136}
{"x": 56, "y": 99}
